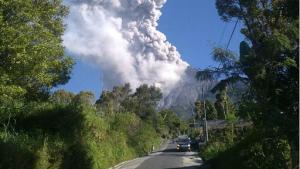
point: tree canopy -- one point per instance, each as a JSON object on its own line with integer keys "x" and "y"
{"x": 269, "y": 63}
{"x": 32, "y": 58}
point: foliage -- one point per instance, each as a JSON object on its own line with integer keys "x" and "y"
{"x": 223, "y": 104}
{"x": 115, "y": 100}
{"x": 210, "y": 110}
{"x": 84, "y": 98}
{"x": 269, "y": 63}
{"x": 250, "y": 151}
{"x": 40, "y": 129}
{"x": 32, "y": 61}
{"x": 32, "y": 56}
{"x": 143, "y": 101}
{"x": 22, "y": 150}
{"x": 70, "y": 131}
{"x": 147, "y": 99}
{"x": 172, "y": 123}
{"x": 70, "y": 136}
{"x": 62, "y": 97}
{"x": 212, "y": 150}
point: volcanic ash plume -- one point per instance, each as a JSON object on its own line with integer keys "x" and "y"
{"x": 121, "y": 37}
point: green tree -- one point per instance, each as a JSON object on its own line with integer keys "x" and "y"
{"x": 198, "y": 110}
{"x": 269, "y": 63}
{"x": 143, "y": 101}
{"x": 270, "y": 59}
{"x": 62, "y": 97}
{"x": 172, "y": 121}
{"x": 84, "y": 98}
{"x": 115, "y": 100}
{"x": 147, "y": 98}
{"x": 223, "y": 104}
{"x": 32, "y": 58}
{"x": 210, "y": 110}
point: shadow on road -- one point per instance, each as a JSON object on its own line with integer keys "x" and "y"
{"x": 190, "y": 167}
{"x": 173, "y": 152}
{"x": 169, "y": 150}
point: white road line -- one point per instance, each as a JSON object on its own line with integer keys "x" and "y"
{"x": 132, "y": 164}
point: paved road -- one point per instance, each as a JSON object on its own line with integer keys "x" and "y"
{"x": 168, "y": 158}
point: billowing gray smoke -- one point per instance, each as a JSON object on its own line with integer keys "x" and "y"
{"x": 121, "y": 36}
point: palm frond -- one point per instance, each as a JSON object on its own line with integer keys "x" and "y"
{"x": 223, "y": 55}
{"x": 225, "y": 82}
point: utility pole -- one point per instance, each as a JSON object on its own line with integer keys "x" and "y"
{"x": 205, "y": 120}
{"x": 194, "y": 116}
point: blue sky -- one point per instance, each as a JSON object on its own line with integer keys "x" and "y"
{"x": 193, "y": 26}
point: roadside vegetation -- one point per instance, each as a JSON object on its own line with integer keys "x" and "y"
{"x": 70, "y": 131}
{"x": 268, "y": 64}
{"x": 44, "y": 129}
{"x": 41, "y": 128}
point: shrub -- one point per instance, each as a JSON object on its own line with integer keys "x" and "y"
{"x": 256, "y": 151}
{"x": 212, "y": 150}
{"x": 52, "y": 136}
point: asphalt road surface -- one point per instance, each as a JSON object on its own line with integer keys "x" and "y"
{"x": 167, "y": 158}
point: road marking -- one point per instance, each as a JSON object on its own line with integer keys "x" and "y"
{"x": 132, "y": 164}
{"x": 189, "y": 159}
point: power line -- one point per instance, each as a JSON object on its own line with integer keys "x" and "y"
{"x": 237, "y": 20}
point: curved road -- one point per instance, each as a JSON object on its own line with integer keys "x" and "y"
{"x": 167, "y": 158}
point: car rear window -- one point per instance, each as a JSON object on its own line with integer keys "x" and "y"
{"x": 183, "y": 140}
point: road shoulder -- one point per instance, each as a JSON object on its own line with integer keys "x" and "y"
{"x": 134, "y": 163}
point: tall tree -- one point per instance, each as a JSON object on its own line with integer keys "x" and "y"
{"x": 172, "y": 121}
{"x": 269, "y": 62}
{"x": 211, "y": 110}
{"x": 84, "y": 98}
{"x": 32, "y": 58}
{"x": 115, "y": 100}
{"x": 147, "y": 98}
{"x": 62, "y": 97}
{"x": 208, "y": 107}
{"x": 223, "y": 104}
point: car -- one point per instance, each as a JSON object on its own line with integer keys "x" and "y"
{"x": 183, "y": 144}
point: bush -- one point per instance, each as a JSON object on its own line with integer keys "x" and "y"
{"x": 212, "y": 150}
{"x": 256, "y": 151}
{"x": 15, "y": 152}
{"x": 66, "y": 136}
{"x": 23, "y": 150}
{"x": 145, "y": 139}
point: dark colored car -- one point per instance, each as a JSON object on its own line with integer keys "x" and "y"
{"x": 184, "y": 144}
